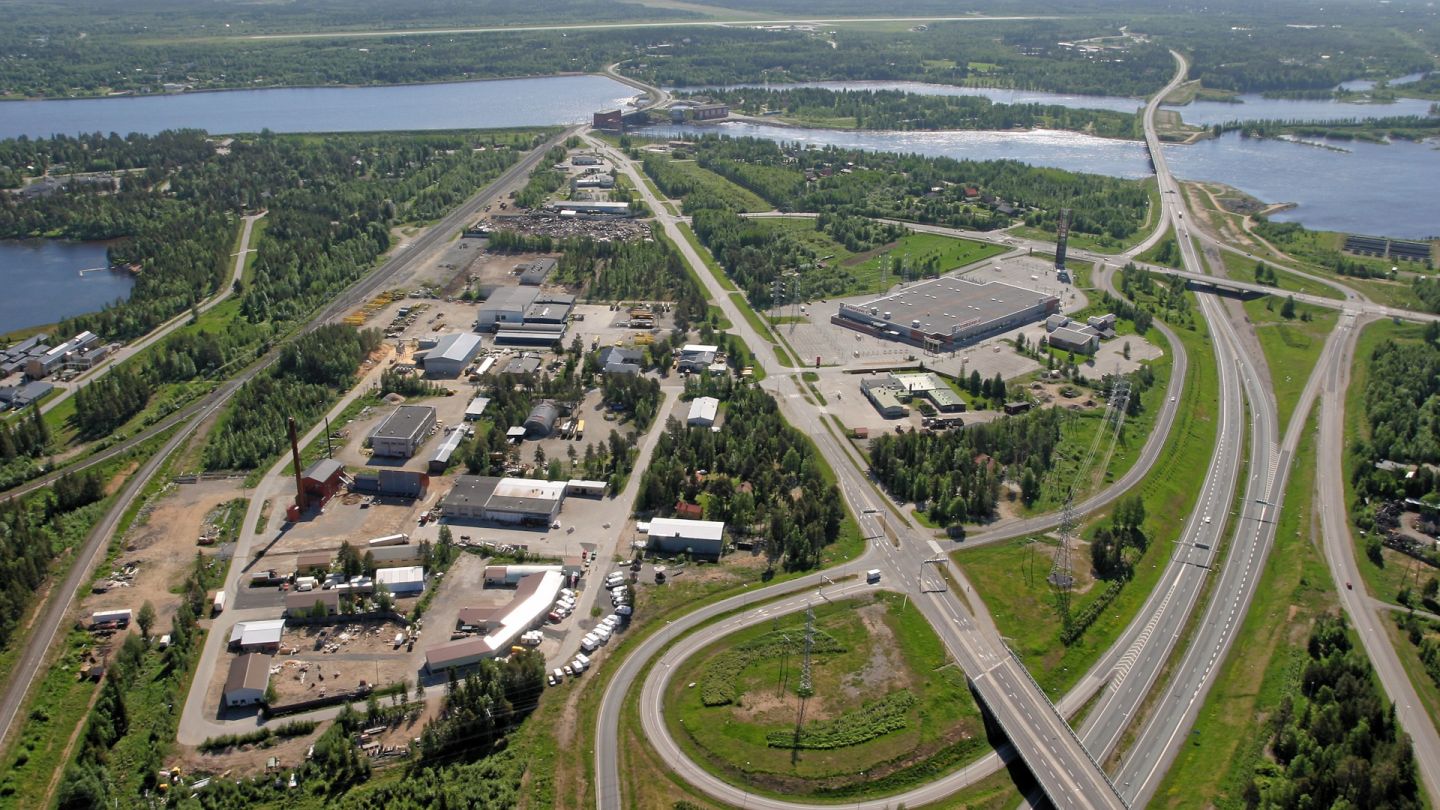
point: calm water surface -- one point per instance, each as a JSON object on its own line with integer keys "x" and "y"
{"x": 459, "y": 105}
{"x": 45, "y": 280}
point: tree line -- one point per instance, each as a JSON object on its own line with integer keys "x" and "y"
{"x": 899, "y": 110}
{"x": 762, "y": 477}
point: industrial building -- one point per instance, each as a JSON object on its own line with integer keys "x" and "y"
{"x": 609, "y": 120}
{"x": 523, "y": 364}
{"x": 947, "y": 313}
{"x": 621, "y": 209}
{"x": 257, "y": 636}
{"x": 321, "y": 480}
{"x": 586, "y": 160}
{"x": 619, "y": 360}
{"x": 301, "y": 603}
{"x": 551, "y": 308}
{"x": 695, "y": 357}
{"x": 541, "y": 420}
{"x": 1082, "y": 339}
{"x": 399, "y": 483}
{"x": 311, "y": 562}
{"x": 403, "y": 431}
{"x": 402, "y": 581}
{"x": 931, "y": 387}
{"x": 533, "y": 598}
{"x": 42, "y": 365}
{"x": 451, "y": 354}
{"x": 886, "y": 395}
{"x": 703, "y": 411}
{"x": 533, "y": 273}
{"x": 248, "y": 679}
{"x": 604, "y": 181}
{"x": 698, "y": 538}
{"x": 440, "y": 460}
{"x": 20, "y": 396}
{"x": 586, "y": 489}
{"x": 476, "y": 408}
{"x": 14, "y": 357}
{"x": 523, "y": 501}
{"x": 506, "y": 305}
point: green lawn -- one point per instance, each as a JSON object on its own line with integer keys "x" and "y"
{"x": 887, "y": 647}
{"x": 1291, "y": 346}
{"x": 949, "y": 252}
{"x": 59, "y": 705}
{"x": 1231, "y": 732}
{"x": 1010, "y": 576}
{"x": 1166, "y": 252}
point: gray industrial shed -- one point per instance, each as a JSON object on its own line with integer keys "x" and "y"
{"x": 403, "y": 431}
{"x": 451, "y": 354}
{"x": 542, "y": 419}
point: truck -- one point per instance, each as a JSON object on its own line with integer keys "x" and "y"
{"x": 580, "y": 430}
{"x": 219, "y": 603}
{"x": 873, "y": 575}
{"x": 305, "y": 583}
{"x": 389, "y": 540}
{"x": 110, "y": 618}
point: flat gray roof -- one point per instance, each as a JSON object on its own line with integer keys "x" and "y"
{"x": 405, "y": 423}
{"x": 945, "y": 303}
{"x": 511, "y": 298}
{"x": 470, "y": 490}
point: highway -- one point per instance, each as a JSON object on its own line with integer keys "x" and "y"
{"x": 42, "y": 633}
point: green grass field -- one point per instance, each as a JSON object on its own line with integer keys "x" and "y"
{"x": 1291, "y": 346}
{"x": 1241, "y": 268}
{"x": 949, "y": 252}
{"x": 1231, "y": 731}
{"x": 1010, "y": 577}
{"x": 887, "y": 647}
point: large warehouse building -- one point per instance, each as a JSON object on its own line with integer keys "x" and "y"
{"x": 451, "y": 354}
{"x": 523, "y": 501}
{"x": 403, "y": 431}
{"x": 533, "y": 597}
{"x": 947, "y": 313}
{"x": 698, "y": 538}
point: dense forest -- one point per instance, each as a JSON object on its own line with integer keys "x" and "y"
{"x": 1401, "y": 407}
{"x": 926, "y": 189}
{"x": 897, "y": 110}
{"x": 756, "y": 253}
{"x": 1334, "y": 739}
{"x": 762, "y": 477}
{"x": 311, "y": 371}
{"x": 1375, "y": 130}
{"x": 23, "y": 443}
{"x": 32, "y": 531}
{"x": 634, "y": 271}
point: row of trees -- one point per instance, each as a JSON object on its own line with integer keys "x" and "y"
{"x": 763, "y": 477}
{"x": 899, "y": 110}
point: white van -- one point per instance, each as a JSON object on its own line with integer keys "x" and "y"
{"x": 873, "y": 575}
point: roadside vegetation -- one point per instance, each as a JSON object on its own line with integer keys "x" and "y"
{"x": 887, "y": 711}
{"x": 1291, "y": 335}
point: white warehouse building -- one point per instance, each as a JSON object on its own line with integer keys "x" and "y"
{"x": 451, "y": 354}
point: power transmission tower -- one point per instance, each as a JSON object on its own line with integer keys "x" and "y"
{"x": 1062, "y": 572}
{"x": 807, "y": 687}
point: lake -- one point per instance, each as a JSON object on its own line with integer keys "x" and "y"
{"x": 46, "y": 280}
{"x": 457, "y": 105}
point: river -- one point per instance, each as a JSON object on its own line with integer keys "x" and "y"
{"x": 456, "y": 105}
{"x": 46, "y": 280}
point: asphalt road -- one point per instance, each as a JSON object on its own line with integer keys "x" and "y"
{"x": 57, "y": 607}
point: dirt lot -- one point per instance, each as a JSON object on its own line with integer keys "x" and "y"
{"x": 163, "y": 547}
{"x": 339, "y": 657}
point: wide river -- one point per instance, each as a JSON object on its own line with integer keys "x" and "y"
{"x": 1360, "y": 187}
{"x": 46, "y": 280}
